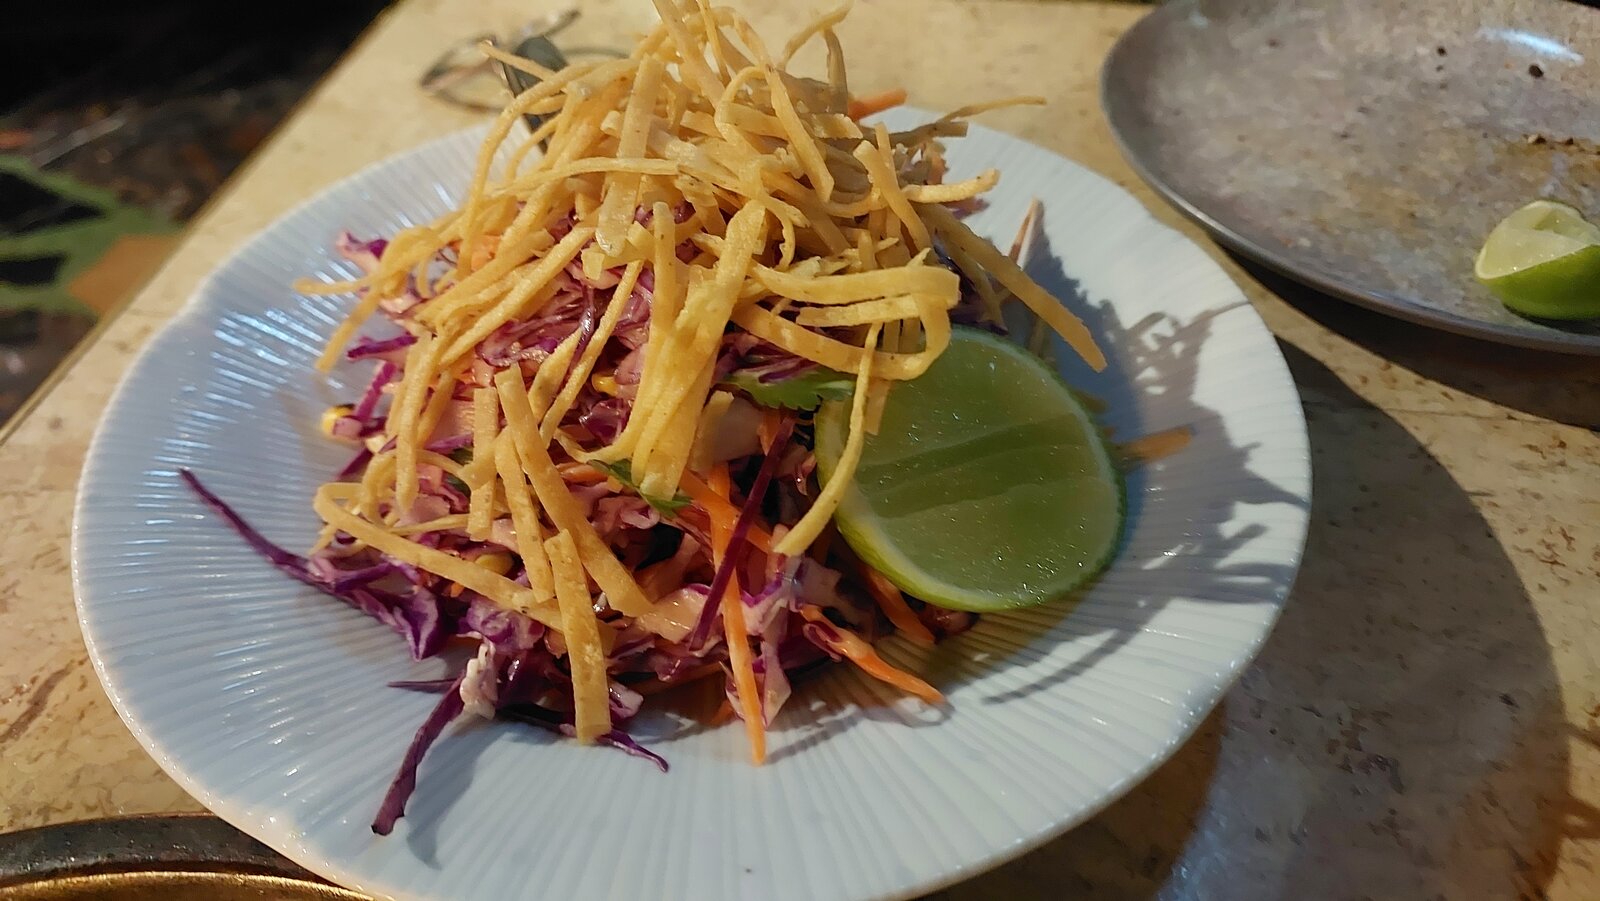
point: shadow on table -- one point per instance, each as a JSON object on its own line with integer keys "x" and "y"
{"x": 1401, "y": 735}
{"x": 1559, "y": 387}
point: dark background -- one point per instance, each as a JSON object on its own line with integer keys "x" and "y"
{"x": 161, "y": 100}
{"x": 157, "y": 102}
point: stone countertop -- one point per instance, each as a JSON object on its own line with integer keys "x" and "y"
{"x": 1425, "y": 720}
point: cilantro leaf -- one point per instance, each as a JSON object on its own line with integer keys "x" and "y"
{"x": 462, "y": 455}
{"x": 806, "y": 391}
{"x": 622, "y": 471}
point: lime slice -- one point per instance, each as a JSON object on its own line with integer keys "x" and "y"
{"x": 988, "y": 485}
{"x": 1544, "y": 261}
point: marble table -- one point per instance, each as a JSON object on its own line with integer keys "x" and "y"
{"x": 1425, "y": 720}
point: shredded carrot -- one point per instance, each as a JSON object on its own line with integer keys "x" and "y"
{"x": 660, "y": 579}
{"x": 483, "y": 250}
{"x": 861, "y": 654}
{"x": 893, "y": 604}
{"x": 717, "y": 506}
{"x": 580, "y": 473}
{"x": 768, "y": 429}
{"x": 862, "y": 107}
{"x": 744, "y": 673}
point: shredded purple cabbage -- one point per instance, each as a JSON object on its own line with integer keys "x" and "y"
{"x": 292, "y": 565}
{"x": 365, "y": 254}
{"x": 356, "y": 464}
{"x": 616, "y": 738}
{"x": 393, "y": 806}
{"x": 453, "y": 443}
{"x": 507, "y": 631}
{"x": 625, "y": 702}
{"x": 738, "y": 546}
{"x": 519, "y": 672}
{"x": 624, "y": 742}
{"x": 373, "y": 347}
{"x": 421, "y": 617}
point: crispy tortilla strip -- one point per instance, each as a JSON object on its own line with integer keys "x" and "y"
{"x": 467, "y": 574}
{"x": 1009, "y": 274}
{"x": 821, "y": 513}
{"x": 563, "y": 509}
{"x": 586, "y": 657}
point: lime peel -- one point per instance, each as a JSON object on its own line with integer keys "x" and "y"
{"x": 1543, "y": 261}
{"x": 988, "y": 485}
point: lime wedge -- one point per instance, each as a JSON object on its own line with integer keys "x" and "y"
{"x": 988, "y": 485}
{"x": 1544, "y": 261}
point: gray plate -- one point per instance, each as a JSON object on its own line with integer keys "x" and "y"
{"x": 151, "y": 858}
{"x": 1367, "y": 147}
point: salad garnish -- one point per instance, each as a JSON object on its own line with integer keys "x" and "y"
{"x": 586, "y": 444}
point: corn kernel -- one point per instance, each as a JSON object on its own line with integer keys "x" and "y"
{"x": 499, "y": 564}
{"x": 333, "y": 415}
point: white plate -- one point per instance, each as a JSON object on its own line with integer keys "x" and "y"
{"x": 268, "y": 703}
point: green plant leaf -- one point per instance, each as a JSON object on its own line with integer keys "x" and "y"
{"x": 623, "y": 472}
{"x": 802, "y": 392}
